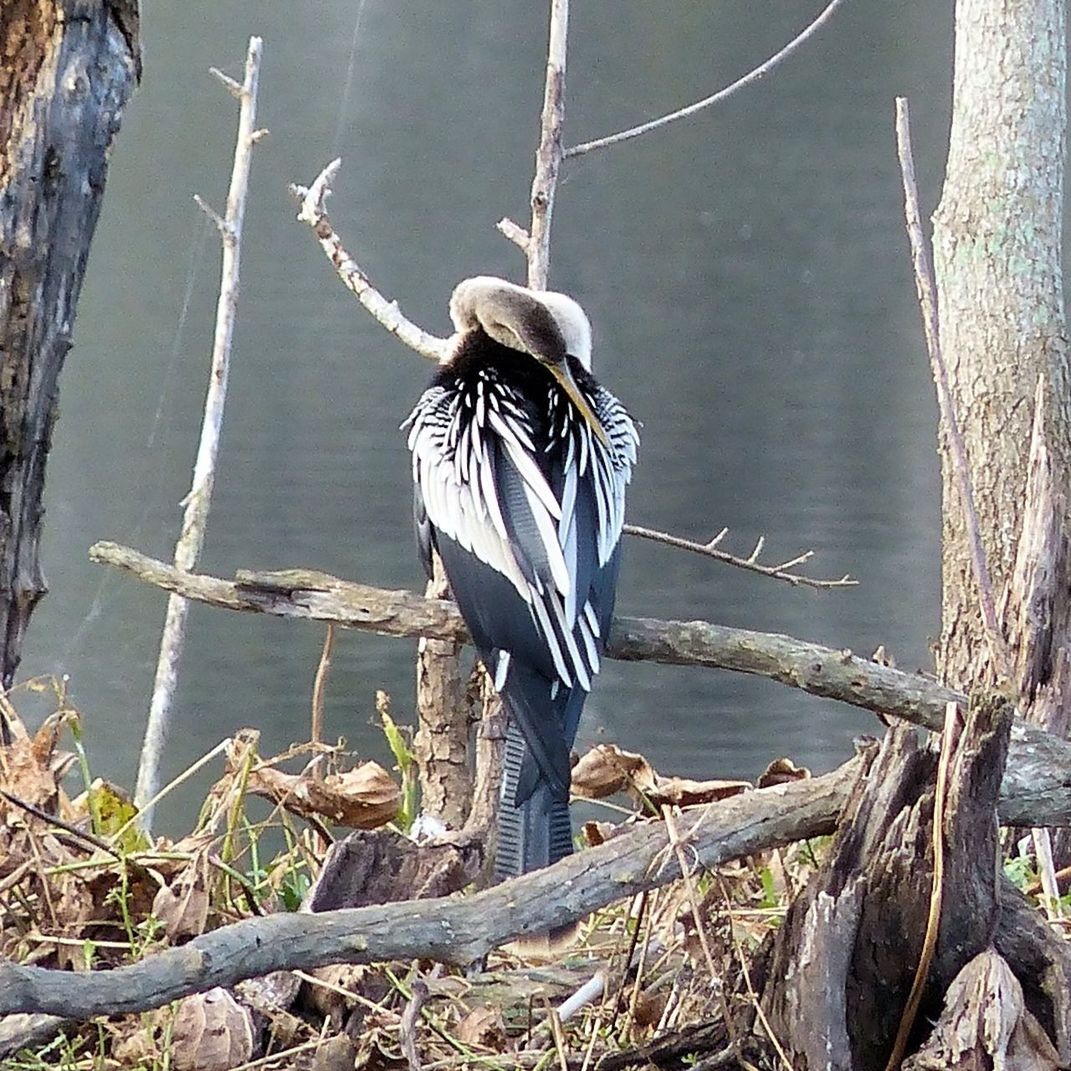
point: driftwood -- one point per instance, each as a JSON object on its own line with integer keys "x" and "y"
{"x": 455, "y": 931}
{"x": 1037, "y": 784}
{"x": 68, "y": 72}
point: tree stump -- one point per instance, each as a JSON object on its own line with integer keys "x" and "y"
{"x": 842, "y": 966}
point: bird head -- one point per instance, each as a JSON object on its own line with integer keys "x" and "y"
{"x": 542, "y": 324}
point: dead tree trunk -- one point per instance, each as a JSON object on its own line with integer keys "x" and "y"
{"x": 997, "y": 258}
{"x": 843, "y": 964}
{"x": 67, "y": 68}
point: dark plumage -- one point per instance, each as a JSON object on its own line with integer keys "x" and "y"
{"x": 520, "y": 460}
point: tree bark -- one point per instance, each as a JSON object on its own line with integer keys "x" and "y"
{"x": 443, "y": 715}
{"x": 843, "y": 963}
{"x": 997, "y": 259}
{"x": 68, "y": 68}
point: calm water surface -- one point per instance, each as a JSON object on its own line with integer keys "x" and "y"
{"x": 746, "y": 272}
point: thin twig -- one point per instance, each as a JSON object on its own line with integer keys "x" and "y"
{"x": 549, "y": 154}
{"x": 408, "y": 1025}
{"x": 319, "y": 686}
{"x": 927, "y": 293}
{"x": 58, "y": 823}
{"x": 933, "y": 920}
{"x": 723, "y": 94}
{"x": 711, "y": 550}
{"x": 195, "y": 516}
{"x": 350, "y": 272}
{"x": 752, "y": 995}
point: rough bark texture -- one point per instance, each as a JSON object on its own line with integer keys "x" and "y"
{"x": 985, "y": 1025}
{"x": 67, "y": 68}
{"x": 997, "y": 258}
{"x": 844, "y": 961}
{"x": 443, "y": 714}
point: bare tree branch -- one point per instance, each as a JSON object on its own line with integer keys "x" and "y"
{"x": 711, "y": 549}
{"x": 1037, "y": 779}
{"x": 927, "y": 292}
{"x": 756, "y": 75}
{"x": 448, "y": 930}
{"x": 549, "y": 154}
{"x": 349, "y": 271}
{"x": 197, "y": 502}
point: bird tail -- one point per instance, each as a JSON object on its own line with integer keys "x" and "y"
{"x": 536, "y": 830}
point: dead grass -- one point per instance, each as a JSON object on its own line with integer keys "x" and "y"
{"x": 82, "y": 888}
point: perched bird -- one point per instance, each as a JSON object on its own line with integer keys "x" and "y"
{"x": 520, "y": 461}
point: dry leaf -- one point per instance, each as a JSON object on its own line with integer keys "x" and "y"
{"x": 483, "y": 1026}
{"x": 182, "y": 906}
{"x": 31, "y": 767}
{"x": 684, "y": 792}
{"x": 363, "y": 798}
{"x": 606, "y": 769}
{"x": 211, "y": 1032}
{"x": 73, "y": 910}
{"x": 780, "y": 772}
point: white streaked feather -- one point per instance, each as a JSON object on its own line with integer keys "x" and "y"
{"x": 592, "y": 619}
{"x": 452, "y": 465}
{"x": 525, "y": 465}
{"x": 547, "y": 631}
{"x": 549, "y": 538}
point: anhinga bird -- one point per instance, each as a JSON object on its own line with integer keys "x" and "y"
{"x": 520, "y": 460}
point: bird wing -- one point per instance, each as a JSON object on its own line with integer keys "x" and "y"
{"x": 547, "y": 520}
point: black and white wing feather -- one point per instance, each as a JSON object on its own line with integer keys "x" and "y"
{"x": 532, "y": 493}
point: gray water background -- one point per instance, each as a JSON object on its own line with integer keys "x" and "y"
{"x": 746, "y": 272}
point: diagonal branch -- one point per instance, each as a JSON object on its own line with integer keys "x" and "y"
{"x": 755, "y": 75}
{"x": 710, "y": 549}
{"x": 1037, "y": 781}
{"x": 313, "y": 213}
{"x": 448, "y": 930}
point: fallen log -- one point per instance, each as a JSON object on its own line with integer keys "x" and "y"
{"x": 1037, "y": 784}
{"x": 455, "y": 931}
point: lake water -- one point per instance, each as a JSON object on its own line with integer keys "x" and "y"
{"x": 746, "y": 272}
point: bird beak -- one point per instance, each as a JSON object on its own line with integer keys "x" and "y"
{"x": 562, "y": 374}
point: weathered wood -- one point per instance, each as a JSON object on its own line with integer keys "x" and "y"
{"x": 440, "y": 745}
{"x": 844, "y": 961}
{"x": 450, "y": 930}
{"x": 1042, "y": 961}
{"x": 380, "y": 866}
{"x": 67, "y": 68}
{"x": 1037, "y": 781}
{"x": 985, "y": 1024}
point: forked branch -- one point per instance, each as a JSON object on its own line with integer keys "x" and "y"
{"x": 197, "y": 501}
